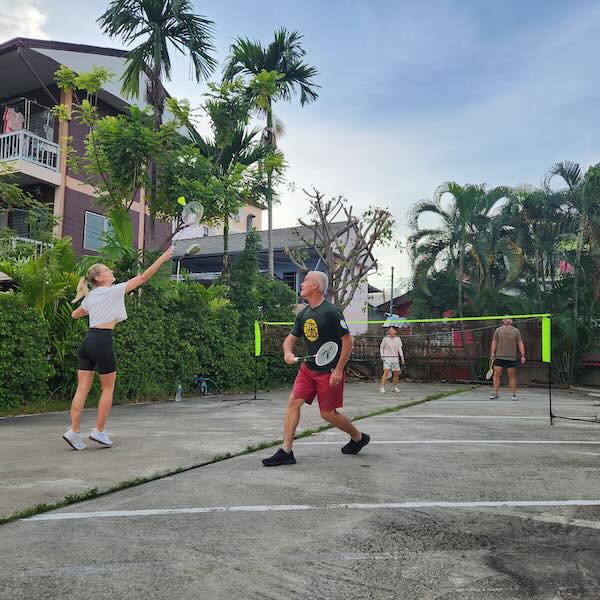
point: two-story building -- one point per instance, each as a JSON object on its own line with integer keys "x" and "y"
{"x": 32, "y": 142}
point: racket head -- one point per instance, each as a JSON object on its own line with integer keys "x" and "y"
{"x": 490, "y": 371}
{"x": 326, "y": 354}
{"x": 192, "y": 213}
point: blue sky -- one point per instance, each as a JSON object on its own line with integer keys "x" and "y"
{"x": 413, "y": 94}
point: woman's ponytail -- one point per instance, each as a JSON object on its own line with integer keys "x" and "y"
{"x": 82, "y": 290}
{"x": 88, "y": 282}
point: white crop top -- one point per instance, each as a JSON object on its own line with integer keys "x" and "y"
{"x": 105, "y": 304}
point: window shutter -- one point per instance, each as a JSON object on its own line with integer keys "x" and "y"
{"x": 95, "y": 226}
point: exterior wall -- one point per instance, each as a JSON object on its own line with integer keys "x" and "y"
{"x": 240, "y": 226}
{"x": 78, "y": 132}
{"x": 161, "y": 232}
{"x": 76, "y": 205}
{"x": 357, "y": 310}
{"x": 234, "y": 226}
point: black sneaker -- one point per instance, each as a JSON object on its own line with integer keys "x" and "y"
{"x": 353, "y": 447}
{"x": 281, "y": 457}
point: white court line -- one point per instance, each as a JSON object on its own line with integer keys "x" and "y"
{"x": 103, "y": 514}
{"x": 459, "y": 442}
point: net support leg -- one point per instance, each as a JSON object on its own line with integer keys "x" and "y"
{"x": 255, "y": 376}
{"x": 550, "y": 392}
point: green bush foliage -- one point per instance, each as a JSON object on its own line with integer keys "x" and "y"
{"x": 173, "y": 334}
{"x": 24, "y": 366}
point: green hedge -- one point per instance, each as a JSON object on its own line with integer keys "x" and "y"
{"x": 171, "y": 335}
{"x": 169, "y": 339}
{"x": 24, "y": 365}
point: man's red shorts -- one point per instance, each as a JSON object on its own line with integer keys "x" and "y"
{"x": 309, "y": 384}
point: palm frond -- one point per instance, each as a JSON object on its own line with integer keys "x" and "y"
{"x": 569, "y": 171}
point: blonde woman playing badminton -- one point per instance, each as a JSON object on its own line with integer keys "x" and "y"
{"x": 104, "y": 304}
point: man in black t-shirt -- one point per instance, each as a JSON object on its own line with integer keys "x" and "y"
{"x": 319, "y": 322}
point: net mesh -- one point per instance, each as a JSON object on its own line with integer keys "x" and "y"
{"x": 451, "y": 350}
{"x": 445, "y": 350}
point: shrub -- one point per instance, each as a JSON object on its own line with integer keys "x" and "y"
{"x": 24, "y": 366}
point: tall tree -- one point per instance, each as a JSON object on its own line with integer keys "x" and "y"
{"x": 465, "y": 215}
{"x": 281, "y": 66}
{"x": 464, "y": 210}
{"x": 343, "y": 242}
{"x": 155, "y": 25}
{"x": 572, "y": 175}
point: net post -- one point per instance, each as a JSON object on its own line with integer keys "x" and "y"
{"x": 547, "y": 357}
{"x": 257, "y": 352}
{"x": 257, "y": 339}
{"x": 550, "y": 392}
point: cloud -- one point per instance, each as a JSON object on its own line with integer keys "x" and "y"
{"x": 21, "y": 18}
{"x": 542, "y": 112}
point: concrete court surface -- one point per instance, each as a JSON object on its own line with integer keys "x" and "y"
{"x": 37, "y": 466}
{"x": 459, "y": 498}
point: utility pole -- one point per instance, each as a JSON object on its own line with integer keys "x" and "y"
{"x": 392, "y": 294}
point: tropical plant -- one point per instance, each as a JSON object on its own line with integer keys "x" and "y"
{"x": 277, "y": 72}
{"x": 157, "y": 24}
{"x": 466, "y": 227}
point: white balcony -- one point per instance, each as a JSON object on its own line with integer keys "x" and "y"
{"x": 30, "y": 157}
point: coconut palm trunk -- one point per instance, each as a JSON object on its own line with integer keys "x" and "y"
{"x": 461, "y": 268}
{"x": 269, "y": 198}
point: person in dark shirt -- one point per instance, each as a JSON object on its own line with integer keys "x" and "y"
{"x": 319, "y": 322}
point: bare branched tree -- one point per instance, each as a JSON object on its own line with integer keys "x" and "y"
{"x": 343, "y": 242}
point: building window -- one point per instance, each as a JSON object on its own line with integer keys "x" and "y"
{"x": 250, "y": 222}
{"x": 205, "y": 231}
{"x": 290, "y": 279}
{"x": 238, "y": 217}
{"x": 95, "y": 227}
{"x": 18, "y": 221}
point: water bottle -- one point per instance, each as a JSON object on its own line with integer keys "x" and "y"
{"x": 178, "y": 393}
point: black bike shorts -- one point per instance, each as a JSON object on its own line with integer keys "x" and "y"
{"x": 507, "y": 364}
{"x": 96, "y": 351}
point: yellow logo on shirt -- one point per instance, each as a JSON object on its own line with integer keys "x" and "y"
{"x": 311, "y": 331}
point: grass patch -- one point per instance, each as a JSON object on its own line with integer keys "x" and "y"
{"x": 96, "y": 493}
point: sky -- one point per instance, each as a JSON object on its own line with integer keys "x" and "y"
{"x": 412, "y": 93}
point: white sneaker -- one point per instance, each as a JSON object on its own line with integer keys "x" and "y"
{"x": 382, "y": 390}
{"x": 493, "y": 396}
{"x": 101, "y": 437}
{"x": 74, "y": 440}
{"x": 514, "y": 398}
{"x": 396, "y": 389}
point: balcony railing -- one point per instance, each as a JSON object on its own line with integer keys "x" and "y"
{"x": 24, "y": 145}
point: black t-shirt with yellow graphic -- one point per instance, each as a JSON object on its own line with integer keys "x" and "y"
{"x": 324, "y": 323}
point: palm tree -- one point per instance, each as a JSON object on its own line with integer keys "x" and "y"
{"x": 158, "y": 23}
{"x": 284, "y": 57}
{"x": 572, "y": 175}
{"x": 241, "y": 151}
{"x": 465, "y": 219}
{"x": 538, "y": 220}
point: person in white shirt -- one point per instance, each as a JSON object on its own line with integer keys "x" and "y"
{"x": 104, "y": 304}
{"x": 391, "y": 354}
